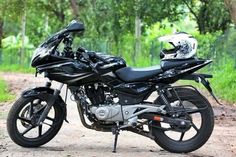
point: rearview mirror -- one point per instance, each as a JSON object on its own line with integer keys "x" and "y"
{"x": 75, "y": 26}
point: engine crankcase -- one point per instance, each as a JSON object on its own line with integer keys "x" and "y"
{"x": 107, "y": 112}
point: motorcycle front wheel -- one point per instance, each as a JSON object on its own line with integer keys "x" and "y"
{"x": 183, "y": 140}
{"x": 22, "y": 121}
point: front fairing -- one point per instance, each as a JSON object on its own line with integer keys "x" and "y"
{"x": 47, "y": 59}
{"x": 45, "y": 53}
{"x": 40, "y": 54}
{"x": 47, "y": 49}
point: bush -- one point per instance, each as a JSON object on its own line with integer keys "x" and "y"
{"x": 220, "y": 47}
{"x": 10, "y": 59}
{"x": 224, "y": 82}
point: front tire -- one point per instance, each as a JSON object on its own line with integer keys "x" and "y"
{"x": 23, "y": 115}
{"x": 203, "y": 132}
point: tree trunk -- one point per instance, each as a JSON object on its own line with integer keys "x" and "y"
{"x": 231, "y": 5}
{"x": 1, "y": 37}
{"x": 116, "y": 39}
{"x": 75, "y": 9}
{"x": 137, "y": 38}
{"x": 1, "y": 32}
{"x": 23, "y": 24}
{"x": 202, "y": 17}
{"x": 201, "y": 25}
{"x": 46, "y": 25}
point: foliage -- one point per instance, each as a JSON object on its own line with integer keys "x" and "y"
{"x": 110, "y": 28}
{"x": 231, "y": 5}
{"x": 225, "y": 46}
{"x": 206, "y": 44}
{"x": 220, "y": 47}
{"x": 11, "y": 46}
{"x": 4, "y": 95}
{"x": 210, "y": 15}
{"x": 224, "y": 82}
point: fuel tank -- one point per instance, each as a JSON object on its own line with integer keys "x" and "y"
{"x": 69, "y": 72}
{"x": 74, "y": 72}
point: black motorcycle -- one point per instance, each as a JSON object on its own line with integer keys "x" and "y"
{"x": 111, "y": 97}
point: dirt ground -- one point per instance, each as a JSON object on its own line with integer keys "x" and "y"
{"x": 75, "y": 140}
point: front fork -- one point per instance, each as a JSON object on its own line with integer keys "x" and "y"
{"x": 50, "y": 103}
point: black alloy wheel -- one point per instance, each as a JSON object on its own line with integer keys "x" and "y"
{"x": 23, "y": 117}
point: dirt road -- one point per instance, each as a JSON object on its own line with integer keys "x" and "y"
{"x": 75, "y": 140}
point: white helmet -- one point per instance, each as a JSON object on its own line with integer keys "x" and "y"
{"x": 185, "y": 46}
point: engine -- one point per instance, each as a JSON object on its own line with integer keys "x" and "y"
{"x": 107, "y": 112}
{"x": 95, "y": 93}
{"x": 103, "y": 109}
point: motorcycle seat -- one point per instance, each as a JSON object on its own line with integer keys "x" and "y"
{"x": 129, "y": 74}
{"x": 172, "y": 63}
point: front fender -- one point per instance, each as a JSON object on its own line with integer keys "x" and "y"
{"x": 40, "y": 92}
{"x": 37, "y": 91}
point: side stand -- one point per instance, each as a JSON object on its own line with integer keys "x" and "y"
{"x": 116, "y": 132}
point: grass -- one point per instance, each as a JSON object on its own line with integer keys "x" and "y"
{"x": 4, "y": 93}
{"x": 224, "y": 82}
{"x": 16, "y": 68}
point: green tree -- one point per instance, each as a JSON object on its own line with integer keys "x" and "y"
{"x": 210, "y": 15}
{"x": 1, "y": 23}
{"x": 231, "y": 5}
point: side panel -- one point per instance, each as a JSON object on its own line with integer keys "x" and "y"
{"x": 110, "y": 79}
{"x": 177, "y": 73}
{"x": 133, "y": 93}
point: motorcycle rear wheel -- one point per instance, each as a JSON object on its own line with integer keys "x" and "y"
{"x": 179, "y": 145}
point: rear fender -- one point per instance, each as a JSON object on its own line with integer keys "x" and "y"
{"x": 202, "y": 78}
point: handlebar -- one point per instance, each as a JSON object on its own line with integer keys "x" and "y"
{"x": 87, "y": 54}
{"x": 93, "y": 54}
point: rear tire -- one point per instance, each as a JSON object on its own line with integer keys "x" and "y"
{"x": 204, "y": 132}
{"x": 13, "y": 117}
